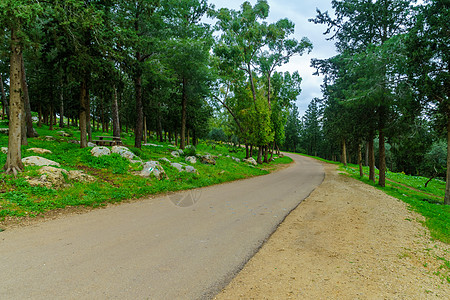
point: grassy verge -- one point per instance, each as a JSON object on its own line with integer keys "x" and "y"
{"x": 115, "y": 179}
{"x": 428, "y": 201}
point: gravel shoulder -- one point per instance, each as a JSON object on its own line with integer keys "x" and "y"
{"x": 347, "y": 240}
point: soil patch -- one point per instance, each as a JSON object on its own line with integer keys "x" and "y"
{"x": 348, "y": 240}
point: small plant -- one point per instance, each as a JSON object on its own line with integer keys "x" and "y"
{"x": 189, "y": 150}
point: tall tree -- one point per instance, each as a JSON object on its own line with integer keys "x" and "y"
{"x": 429, "y": 63}
{"x": 189, "y": 55}
{"x": 360, "y": 24}
{"x": 140, "y": 23}
{"x": 292, "y": 128}
{"x": 16, "y": 15}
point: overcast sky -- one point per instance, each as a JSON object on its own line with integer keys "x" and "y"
{"x": 298, "y": 11}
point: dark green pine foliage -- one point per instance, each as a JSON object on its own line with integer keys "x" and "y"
{"x": 292, "y": 131}
{"x": 358, "y": 28}
{"x": 428, "y": 50}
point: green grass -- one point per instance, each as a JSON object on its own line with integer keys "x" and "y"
{"x": 115, "y": 179}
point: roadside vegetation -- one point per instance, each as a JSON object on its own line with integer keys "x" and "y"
{"x": 426, "y": 200}
{"x": 115, "y": 180}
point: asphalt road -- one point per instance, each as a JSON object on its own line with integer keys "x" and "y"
{"x": 187, "y": 245}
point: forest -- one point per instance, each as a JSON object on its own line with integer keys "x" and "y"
{"x": 147, "y": 66}
{"x": 156, "y": 66}
{"x": 386, "y": 93}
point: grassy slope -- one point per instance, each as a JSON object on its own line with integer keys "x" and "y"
{"x": 115, "y": 181}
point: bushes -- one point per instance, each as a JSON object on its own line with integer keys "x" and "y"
{"x": 189, "y": 150}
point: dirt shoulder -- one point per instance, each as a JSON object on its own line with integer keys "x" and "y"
{"x": 347, "y": 240}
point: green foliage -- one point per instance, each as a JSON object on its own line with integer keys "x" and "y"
{"x": 292, "y": 129}
{"x": 217, "y": 134}
{"x": 114, "y": 176}
{"x": 435, "y": 160}
{"x": 189, "y": 150}
{"x": 114, "y": 162}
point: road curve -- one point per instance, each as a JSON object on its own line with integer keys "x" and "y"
{"x": 186, "y": 245}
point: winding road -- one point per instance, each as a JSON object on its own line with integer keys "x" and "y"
{"x": 186, "y": 245}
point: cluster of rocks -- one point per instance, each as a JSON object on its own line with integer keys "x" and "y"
{"x": 205, "y": 159}
{"x": 155, "y": 168}
{"x": 51, "y": 176}
{"x": 123, "y": 151}
{"x": 251, "y": 161}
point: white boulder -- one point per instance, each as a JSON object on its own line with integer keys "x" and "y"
{"x": 38, "y": 161}
{"x": 100, "y": 151}
{"x": 80, "y": 176}
{"x": 155, "y": 168}
{"x": 178, "y": 166}
{"x": 51, "y": 177}
{"x": 190, "y": 169}
{"x": 177, "y": 153}
{"x": 208, "y": 159}
{"x": 125, "y": 152}
{"x": 251, "y": 161}
{"x": 39, "y": 150}
{"x": 165, "y": 159}
{"x": 191, "y": 159}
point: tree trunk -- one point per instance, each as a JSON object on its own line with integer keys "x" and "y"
{"x": 247, "y": 151}
{"x": 139, "y": 110}
{"x": 4, "y": 101}
{"x": 102, "y": 117}
{"x": 266, "y": 154}
{"x": 344, "y": 153}
{"x": 61, "y": 105}
{"x": 371, "y": 160}
{"x": 23, "y": 131}
{"x": 160, "y": 130}
{"x": 447, "y": 185}
{"x": 183, "y": 115}
{"x": 194, "y": 138}
{"x": 273, "y": 149}
{"x": 39, "y": 124}
{"x": 145, "y": 130}
{"x": 51, "y": 118}
{"x": 88, "y": 111}
{"x": 26, "y": 102}
{"x": 115, "y": 114}
{"x": 382, "y": 158}
{"x": 188, "y": 137}
{"x": 260, "y": 152}
{"x": 251, "y": 150}
{"x": 83, "y": 112}
{"x": 13, "y": 160}
{"x": 252, "y": 85}
{"x": 367, "y": 155}
{"x": 361, "y": 171}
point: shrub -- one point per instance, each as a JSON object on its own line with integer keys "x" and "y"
{"x": 217, "y": 134}
{"x": 189, "y": 150}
